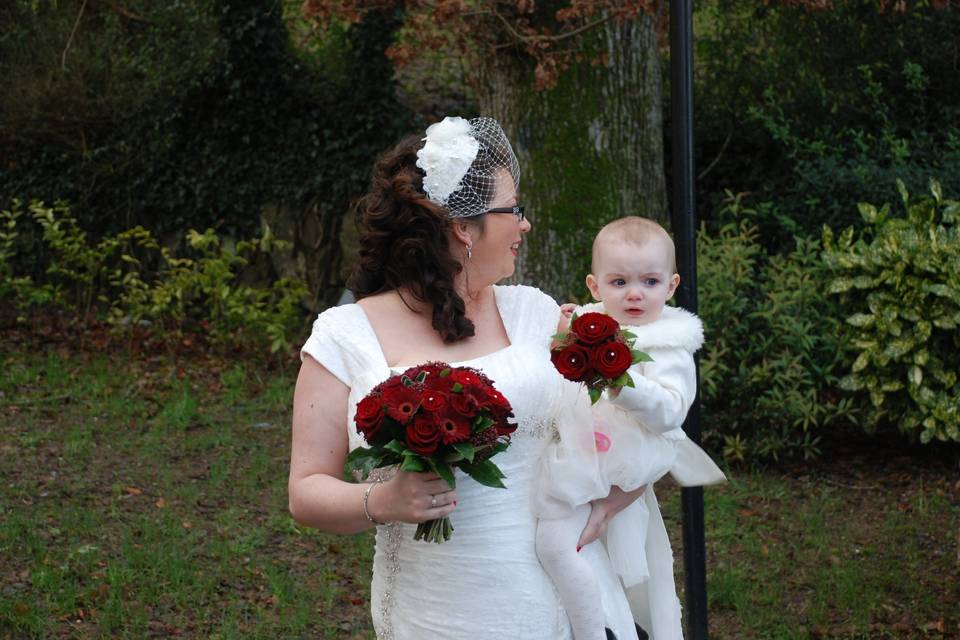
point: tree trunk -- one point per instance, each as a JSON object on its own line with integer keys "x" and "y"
{"x": 590, "y": 150}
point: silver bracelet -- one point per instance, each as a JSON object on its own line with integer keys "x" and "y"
{"x": 366, "y": 499}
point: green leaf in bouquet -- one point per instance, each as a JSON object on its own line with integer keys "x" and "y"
{"x": 621, "y": 380}
{"x": 466, "y": 450}
{"x": 628, "y": 336}
{"x": 407, "y": 382}
{"x": 457, "y": 387}
{"x": 629, "y": 381}
{"x": 486, "y": 473}
{"x": 364, "y": 460}
{"x": 360, "y": 453}
{"x": 481, "y": 424}
{"x": 446, "y": 372}
{"x": 397, "y": 447}
{"x": 421, "y": 377}
{"x": 594, "y": 395}
{"x": 413, "y": 462}
{"x": 443, "y": 470}
{"x": 640, "y": 356}
{"x": 499, "y": 447}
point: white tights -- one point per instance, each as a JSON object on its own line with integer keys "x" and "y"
{"x": 572, "y": 573}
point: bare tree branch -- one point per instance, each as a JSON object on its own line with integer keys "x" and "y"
{"x": 547, "y": 38}
{"x": 719, "y": 155}
{"x": 73, "y": 32}
{"x": 124, "y": 12}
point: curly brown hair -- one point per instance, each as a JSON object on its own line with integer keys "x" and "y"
{"x": 405, "y": 242}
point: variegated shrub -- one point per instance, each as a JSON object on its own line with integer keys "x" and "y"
{"x": 899, "y": 283}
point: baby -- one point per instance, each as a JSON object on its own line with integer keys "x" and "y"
{"x": 637, "y": 438}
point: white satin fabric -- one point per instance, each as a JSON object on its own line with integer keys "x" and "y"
{"x": 486, "y": 581}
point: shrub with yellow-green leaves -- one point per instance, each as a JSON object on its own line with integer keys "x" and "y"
{"x": 899, "y": 287}
{"x": 129, "y": 278}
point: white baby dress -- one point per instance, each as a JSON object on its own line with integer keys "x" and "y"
{"x": 632, "y": 449}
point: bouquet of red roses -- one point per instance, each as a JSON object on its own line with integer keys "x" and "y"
{"x": 434, "y": 417}
{"x": 596, "y": 352}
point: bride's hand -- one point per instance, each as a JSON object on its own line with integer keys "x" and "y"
{"x": 412, "y": 497}
{"x": 602, "y": 510}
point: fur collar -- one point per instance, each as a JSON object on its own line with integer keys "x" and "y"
{"x": 674, "y": 328}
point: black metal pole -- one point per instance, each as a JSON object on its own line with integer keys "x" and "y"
{"x": 684, "y": 223}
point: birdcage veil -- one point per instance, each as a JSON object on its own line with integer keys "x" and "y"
{"x": 462, "y": 161}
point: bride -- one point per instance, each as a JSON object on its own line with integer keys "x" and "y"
{"x": 440, "y": 226}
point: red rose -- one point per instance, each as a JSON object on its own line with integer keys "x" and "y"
{"x": 454, "y": 430}
{"x": 592, "y": 328}
{"x": 368, "y": 416}
{"x": 401, "y": 402}
{"x": 498, "y": 400}
{"x": 423, "y": 436}
{"x": 437, "y": 383}
{"x": 611, "y": 359}
{"x": 464, "y": 403}
{"x": 465, "y": 376}
{"x": 433, "y": 400}
{"x": 572, "y": 362}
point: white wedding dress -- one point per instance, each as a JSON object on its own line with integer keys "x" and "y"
{"x": 486, "y": 581}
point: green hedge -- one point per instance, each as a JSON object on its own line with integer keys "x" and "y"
{"x": 773, "y": 355}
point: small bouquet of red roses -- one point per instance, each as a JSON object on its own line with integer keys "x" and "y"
{"x": 434, "y": 417}
{"x": 596, "y": 352}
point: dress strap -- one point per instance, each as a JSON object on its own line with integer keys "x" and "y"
{"x": 529, "y": 315}
{"x": 343, "y": 341}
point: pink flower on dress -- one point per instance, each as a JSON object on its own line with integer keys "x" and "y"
{"x": 602, "y": 441}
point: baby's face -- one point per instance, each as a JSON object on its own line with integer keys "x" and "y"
{"x": 633, "y": 282}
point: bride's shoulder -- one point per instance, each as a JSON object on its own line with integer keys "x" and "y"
{"x": 525, "y": 295}
{"x": 332, "y": 317}
{"x": 528, "y": 311}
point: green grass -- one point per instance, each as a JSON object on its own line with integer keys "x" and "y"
{"x": 146, "y": 497}
{"x": 813, "y": 555}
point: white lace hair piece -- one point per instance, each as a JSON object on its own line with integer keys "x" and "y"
{"x": 462, "y": 161}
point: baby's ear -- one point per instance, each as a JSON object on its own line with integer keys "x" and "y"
{"x": 674, "y": 283}
{"x": 594, "y": 287}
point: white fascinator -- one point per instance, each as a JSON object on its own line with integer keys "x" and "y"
{"x": 462, "y": 161}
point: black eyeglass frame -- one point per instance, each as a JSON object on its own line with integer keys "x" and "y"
{"x": 517, "y": 211}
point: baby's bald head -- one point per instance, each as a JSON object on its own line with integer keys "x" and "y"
{"x": 635, "y": 231}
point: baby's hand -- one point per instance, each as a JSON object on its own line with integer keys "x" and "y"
{"x": 566, "y": 312}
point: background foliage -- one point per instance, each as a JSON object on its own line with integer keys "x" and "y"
{"x": 256, "y": 121}
{"x": 820, "y": 105}
{"x": 773, "y": 354}
{"x": 135, "y": 282}
{"x": 900, "y": 283}
{"x": 191, "y": 114}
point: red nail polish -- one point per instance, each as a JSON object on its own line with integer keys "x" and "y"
{"x": 454, "y": 503}
{"x": 578, "y": 549}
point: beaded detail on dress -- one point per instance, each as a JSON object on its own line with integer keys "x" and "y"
{"x": 392, "y": 533}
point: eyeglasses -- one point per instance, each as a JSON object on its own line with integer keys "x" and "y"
{"x": 517, "y": 211}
